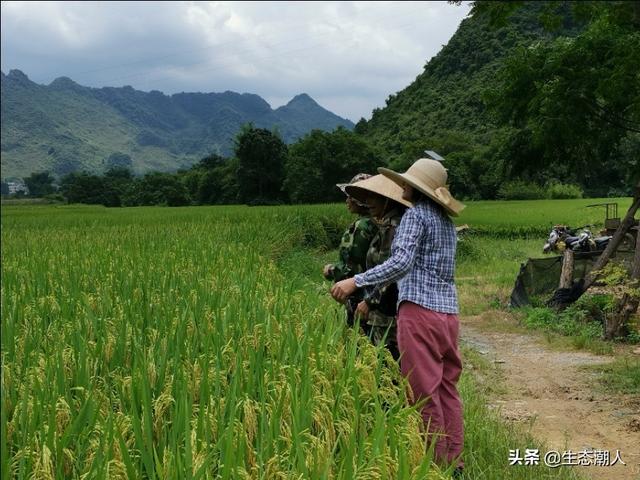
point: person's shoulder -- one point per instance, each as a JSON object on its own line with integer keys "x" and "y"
{"x": 412, "y": 214}
{"x": 365, "y": 224}
{"x": 429, "y": 209}
{"x": 421, "y": 213}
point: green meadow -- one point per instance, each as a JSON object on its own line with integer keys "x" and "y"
{"x": 201, "y": 342}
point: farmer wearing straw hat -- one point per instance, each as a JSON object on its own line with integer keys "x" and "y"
{"x": 353, "y": 246}
{"x": 378, "y": 305}
{"x": 422, "y": 262}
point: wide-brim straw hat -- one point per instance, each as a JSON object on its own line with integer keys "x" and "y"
{"x": 356, "y": 178}
{"x": 429, "y": 177}
{"x": 377, "y": 184}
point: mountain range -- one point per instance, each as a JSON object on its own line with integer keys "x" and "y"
{"x": 64, "y": 127}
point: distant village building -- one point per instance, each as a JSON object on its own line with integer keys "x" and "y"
{"x": 15, "y": 187}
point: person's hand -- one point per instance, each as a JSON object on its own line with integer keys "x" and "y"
{"x": 341, "y": 290}
{"x": 362, "y": 310}
{"x": 327, "y": 270}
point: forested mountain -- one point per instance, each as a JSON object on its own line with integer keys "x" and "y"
{"x": 450, "y": 107}
{"x": 65, "y": 127}
{"x": 447, "y": 98}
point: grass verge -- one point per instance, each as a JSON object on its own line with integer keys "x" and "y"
{"x": 622, "y": 376}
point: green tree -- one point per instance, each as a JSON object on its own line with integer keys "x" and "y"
{"x": 83, "y": 187}
{"x": 212, "y": 181}
{"x": 117, "y": 181}
{"x": 108, "y": 189}
{"x": 228, "y": 181}
{"x": 320, "y": 160}
{"x": 211, "y": 162}
{"x": 158, "y": 189}
{"x": 40, "y": 184}
{"x": 261, "y": 156}
{"x": 573, "y": 101}
{"x": 210, "y": 186}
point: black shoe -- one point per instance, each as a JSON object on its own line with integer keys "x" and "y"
{"x": 458, "y": 473}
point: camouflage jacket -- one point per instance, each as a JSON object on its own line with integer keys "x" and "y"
{"x": 382, "y": 299}
{"x": 353, "y": 249}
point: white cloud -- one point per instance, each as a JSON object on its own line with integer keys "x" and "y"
{"x": 349, "y": 56}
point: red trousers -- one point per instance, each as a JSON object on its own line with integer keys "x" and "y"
{"x": 428, "y": 343}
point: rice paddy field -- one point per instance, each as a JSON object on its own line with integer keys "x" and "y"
{"x": 201, "y": 342}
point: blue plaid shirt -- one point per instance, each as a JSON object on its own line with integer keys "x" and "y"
{"x": 422, "y": 260}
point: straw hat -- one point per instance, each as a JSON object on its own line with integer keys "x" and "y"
{"x": 356, "y": 178}
{"x": 377, "y": 184}
{"x": 429, "y": 177}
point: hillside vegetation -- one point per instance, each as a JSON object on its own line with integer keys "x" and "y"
{"x": 65, "y": 127}
{"x": 505, "y": 98}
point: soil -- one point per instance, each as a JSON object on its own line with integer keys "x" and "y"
{"x": 551, "y": 392}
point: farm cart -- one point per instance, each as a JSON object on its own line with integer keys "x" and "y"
{"x": 612, "y": 222}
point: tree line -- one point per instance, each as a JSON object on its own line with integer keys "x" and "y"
{"x": 262, "y": 171}
{"x": 266, "y": 171}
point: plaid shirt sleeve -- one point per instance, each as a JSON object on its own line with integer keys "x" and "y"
{"x": 403, "y": 253}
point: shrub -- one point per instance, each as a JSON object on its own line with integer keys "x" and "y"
{"x": 557, "y": 190}
{"x": 576, "y": 321}
{"x": 521, "y": 190}
{"x": 596, "y": 306}
{"x": 468, "y": 249}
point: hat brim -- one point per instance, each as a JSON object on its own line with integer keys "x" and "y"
{"x": 342, "y": 187}
{"x": 453, "y": 207}
{"x": 360, "y": 191}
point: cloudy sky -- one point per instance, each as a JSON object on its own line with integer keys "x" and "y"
{"x": 349, "y": 56}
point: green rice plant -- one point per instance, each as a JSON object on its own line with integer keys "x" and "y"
{"x": 167, "y": 343}
{"x": 202, "y": 343}
{"x": 534, "y": 218}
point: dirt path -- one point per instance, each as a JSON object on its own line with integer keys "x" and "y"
{"x": 548, "y": 390}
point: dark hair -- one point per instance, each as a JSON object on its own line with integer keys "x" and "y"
{"x": 418, "y": 196}
{"x": 393, "y": 204}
